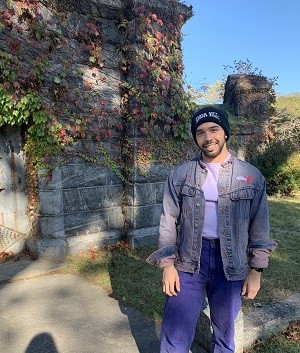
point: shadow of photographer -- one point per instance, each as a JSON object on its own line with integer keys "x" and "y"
{"x": 42, "y": 343}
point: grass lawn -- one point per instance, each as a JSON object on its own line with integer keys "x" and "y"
{"x": 282, "y": 278}
{"x": 124, "y": 273}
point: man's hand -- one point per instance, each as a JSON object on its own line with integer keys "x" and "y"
{"x": 251, "y": 284}
{"x": 170, "y": 281}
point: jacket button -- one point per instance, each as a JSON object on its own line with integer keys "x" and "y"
{"x": 194, "y": 247}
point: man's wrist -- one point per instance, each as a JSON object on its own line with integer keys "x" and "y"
{"x": 257, "y": 269}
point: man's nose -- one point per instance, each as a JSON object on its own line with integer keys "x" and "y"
{"x": 207, "y": 136}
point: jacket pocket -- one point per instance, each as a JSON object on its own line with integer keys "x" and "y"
{"x": 240, "y": 205}
{"x": 187, "y": 194}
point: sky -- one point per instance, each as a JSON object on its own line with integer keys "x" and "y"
{"x": 267, "y": 32}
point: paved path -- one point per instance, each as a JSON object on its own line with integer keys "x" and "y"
{"x": 61, "y": 313}
{"x": 46, "y": 311}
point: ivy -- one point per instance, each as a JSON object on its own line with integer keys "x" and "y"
{"x": 154, "y": 102}
{"x": 20, "y": 104}
{"x": 27, "y": 110}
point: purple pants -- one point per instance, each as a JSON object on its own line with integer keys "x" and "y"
{"x": 181, "y": 312}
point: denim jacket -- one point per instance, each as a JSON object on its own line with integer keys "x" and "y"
{"x": 242, "y": 212}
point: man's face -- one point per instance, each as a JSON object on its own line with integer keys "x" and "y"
{"x": 211, "y": 140}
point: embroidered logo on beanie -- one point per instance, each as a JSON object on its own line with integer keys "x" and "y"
{"x": 207, "y": 115}
{"x": 212, "y": 114}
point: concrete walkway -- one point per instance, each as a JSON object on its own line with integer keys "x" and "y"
{"x": 46, "y": 311}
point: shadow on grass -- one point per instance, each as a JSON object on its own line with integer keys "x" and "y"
{"x": 137, "y": 285}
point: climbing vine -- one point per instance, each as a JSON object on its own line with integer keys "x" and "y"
{"x": 58, "y": 101}
{"x": 153, "y": 96}
{"x": 20, "y": 105}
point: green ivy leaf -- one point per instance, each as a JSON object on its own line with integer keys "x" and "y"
{"x": 57, "y": 80}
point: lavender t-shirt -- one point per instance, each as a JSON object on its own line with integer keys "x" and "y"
{"x": 210, "y": 189}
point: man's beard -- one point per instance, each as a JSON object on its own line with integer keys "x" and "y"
{"x": 215, "y": 153}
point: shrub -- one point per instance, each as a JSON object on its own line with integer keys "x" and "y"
{"x": 279, "y": 161}
{"x": 279, "y": 157}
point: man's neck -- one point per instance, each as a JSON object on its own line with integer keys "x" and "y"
{"x": 221, "y": 158}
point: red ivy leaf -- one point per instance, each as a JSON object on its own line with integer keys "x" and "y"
{"x": 135, "y": 111}
{"x": 154, "y": 17}
{"x": 159, "y": 35}
{"x": 6, "y": 85}
{"x": 108, "y": 134}
{"x": 181, "y": 18}
{"x": 144, "y": 130}
{"x": 120, "y": 126}
{"x": 62, "y": 133}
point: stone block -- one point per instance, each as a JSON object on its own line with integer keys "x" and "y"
{"x": 271, "y": 319}
{"x": 82, "y": 174}
{"x": 85, "y": 222}
{"x": 142, "y": 237}
{"x": 147, "y": 194}
{"x": 91, "y": 198}
{"x": 110, "y": 54}
{"x": 50, "y": 182}
{"x": 248, "y": 95}
{"x": 159, "y": 192}
{"x": 50, "y": 202}
{"x": 48, "y": 249}
{"x": 157, "y": 173}
{"x": 93, "y": 240}
{"x": 51, "y": 226}
{"x": 114, "y": 195}
{"x": 146, "y": 216}
{"x": 144, "y": 194}
{"x": 115, "y": 218}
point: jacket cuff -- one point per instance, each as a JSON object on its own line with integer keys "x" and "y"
{"x": 259, "y": 254}
{"x": 163, "y": 257}
{"x": 167, "y": 262}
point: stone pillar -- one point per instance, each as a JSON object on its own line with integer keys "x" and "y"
{"x": 248, "y": 96}
{"x": 153, "y": 36}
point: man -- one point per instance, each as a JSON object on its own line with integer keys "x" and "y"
{"x": 214, "y": 237}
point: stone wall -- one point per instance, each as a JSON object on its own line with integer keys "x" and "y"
{"x": 75, "y": 55}
{"x": 80, "y": 207}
